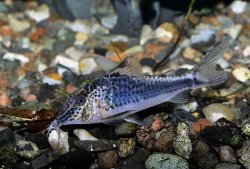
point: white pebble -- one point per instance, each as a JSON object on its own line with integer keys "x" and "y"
{"x": 87, "y": 65}
{"x": 14, "y": 56}
{"x": 242, "y": 74}
{"x": 238, "y": 7}
{"x": 51, "y": 81}
{"x": 68, "y": 63}
{"x": 79, "y": 26}
{"x": 39, "y": 15}
{"x": 246, "y": 51}
{"x": 82, "y": 134}
{"x": 58, "y": 141}
{"x": 215, "y": 111}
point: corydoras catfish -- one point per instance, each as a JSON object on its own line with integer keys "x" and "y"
{"x": 126, "y": 91}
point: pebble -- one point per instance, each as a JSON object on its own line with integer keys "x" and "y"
{"x": 83, "y": 135}
{"x": 188, "y": 107}
{"x": 180, "y": 115}
{"x": 51, "y": 81}
{"x": 204, "y": 36}
{"x": 242, "y": 74}
{"x": 125, "y": 129}
{"x": 154, "y": 122}
{"x": 246, "y": 129}
{"x": 96, "y": 145}
{"x": 203, "y": 156}
{"x": 166, "y": 32}
{"x": 4, "y": 99}
{"x": 7, "y": 146}
{"x": 244, "y": 154}
{"x": 200, "y": 124}
{"x": 182, "y": 143}
{"x": 79, "y": 26}
{"x": 233, "y": 31}
{"x": 109, "y": 21}
{"x": 227, "y": 154}
{"x": 105, "y": 63}
{"x": 74, "y": 53}
{"x": 165, "y": 141}
{"x": 18, "y": 25}
{"x": 215, "y": 111}
{"x": 238, "y": 7}
{"x": 145, "y": 137}
{"x": 42, "y": 13}
{"x": 246, "y": 51}
{"x": 108, "y": 159}
{"x": 14, "y": 56}
{"x": 192, "y": 54}
{"x": 126, "y": 147}
{"x": 47, "y": 157}
{"x": 87, "y": 65}
{"x": 137, "y": 160}
{"x": 68, "y": 63}
{"x": 222, "y": 135}
{"x": 80, "y": 38}
{"x": 227, "y": 166}
{"x": 27, "y": 149}
{"x": 163, "y": 35}
{"x": 165, "y": 161}
{"x": 58, "y": 141}
{"x": 146, "y": 34}
{"x": 3, "y": 7}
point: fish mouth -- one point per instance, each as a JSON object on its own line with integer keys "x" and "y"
{"x": 52, "y": 126}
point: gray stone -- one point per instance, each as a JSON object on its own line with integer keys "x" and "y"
{"x": 166, "y": 161}
{"x": 7, "y": 144}
{"x": 244, "y": 154}
{"x": 46, "y": 157}
{"x": 203, "y": 156}
{"x": 227, "y": 154}
{"x": 125, "y": 129}
{"x": 97, "y": 145}
{"x": 227, "y": 166}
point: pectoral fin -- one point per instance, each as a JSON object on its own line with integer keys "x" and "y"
{"x": 180, "y": 98}
{"x": 134, "y": 119}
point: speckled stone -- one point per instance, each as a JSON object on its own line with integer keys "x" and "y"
{"x": 182, "y": 143}
{"x": 27, "y": 149}
{"x": 165, "y": 161}
{"x": 126, "y": 147}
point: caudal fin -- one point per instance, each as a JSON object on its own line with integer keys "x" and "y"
{"x": 205, "y": 72}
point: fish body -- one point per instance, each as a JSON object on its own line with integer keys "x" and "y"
{"x": 125, "y": 91}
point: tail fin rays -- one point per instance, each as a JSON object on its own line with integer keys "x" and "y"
{"x": 205, "y": 72}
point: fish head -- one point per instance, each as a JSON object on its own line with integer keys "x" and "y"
{"x": 71, "y": 112}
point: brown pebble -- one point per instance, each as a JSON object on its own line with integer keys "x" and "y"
{"x": 108, "y": 159}
{"x": 31, "y": 97}
{"x": 4, "y": 100}
{"x": 145, "y": 137}
{"x": 165, "y": 142}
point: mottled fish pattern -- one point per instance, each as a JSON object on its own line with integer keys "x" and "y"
{"x": 126, "y": 91}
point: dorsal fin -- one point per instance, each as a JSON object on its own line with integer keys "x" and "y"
{"x": 129, "y": 66}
